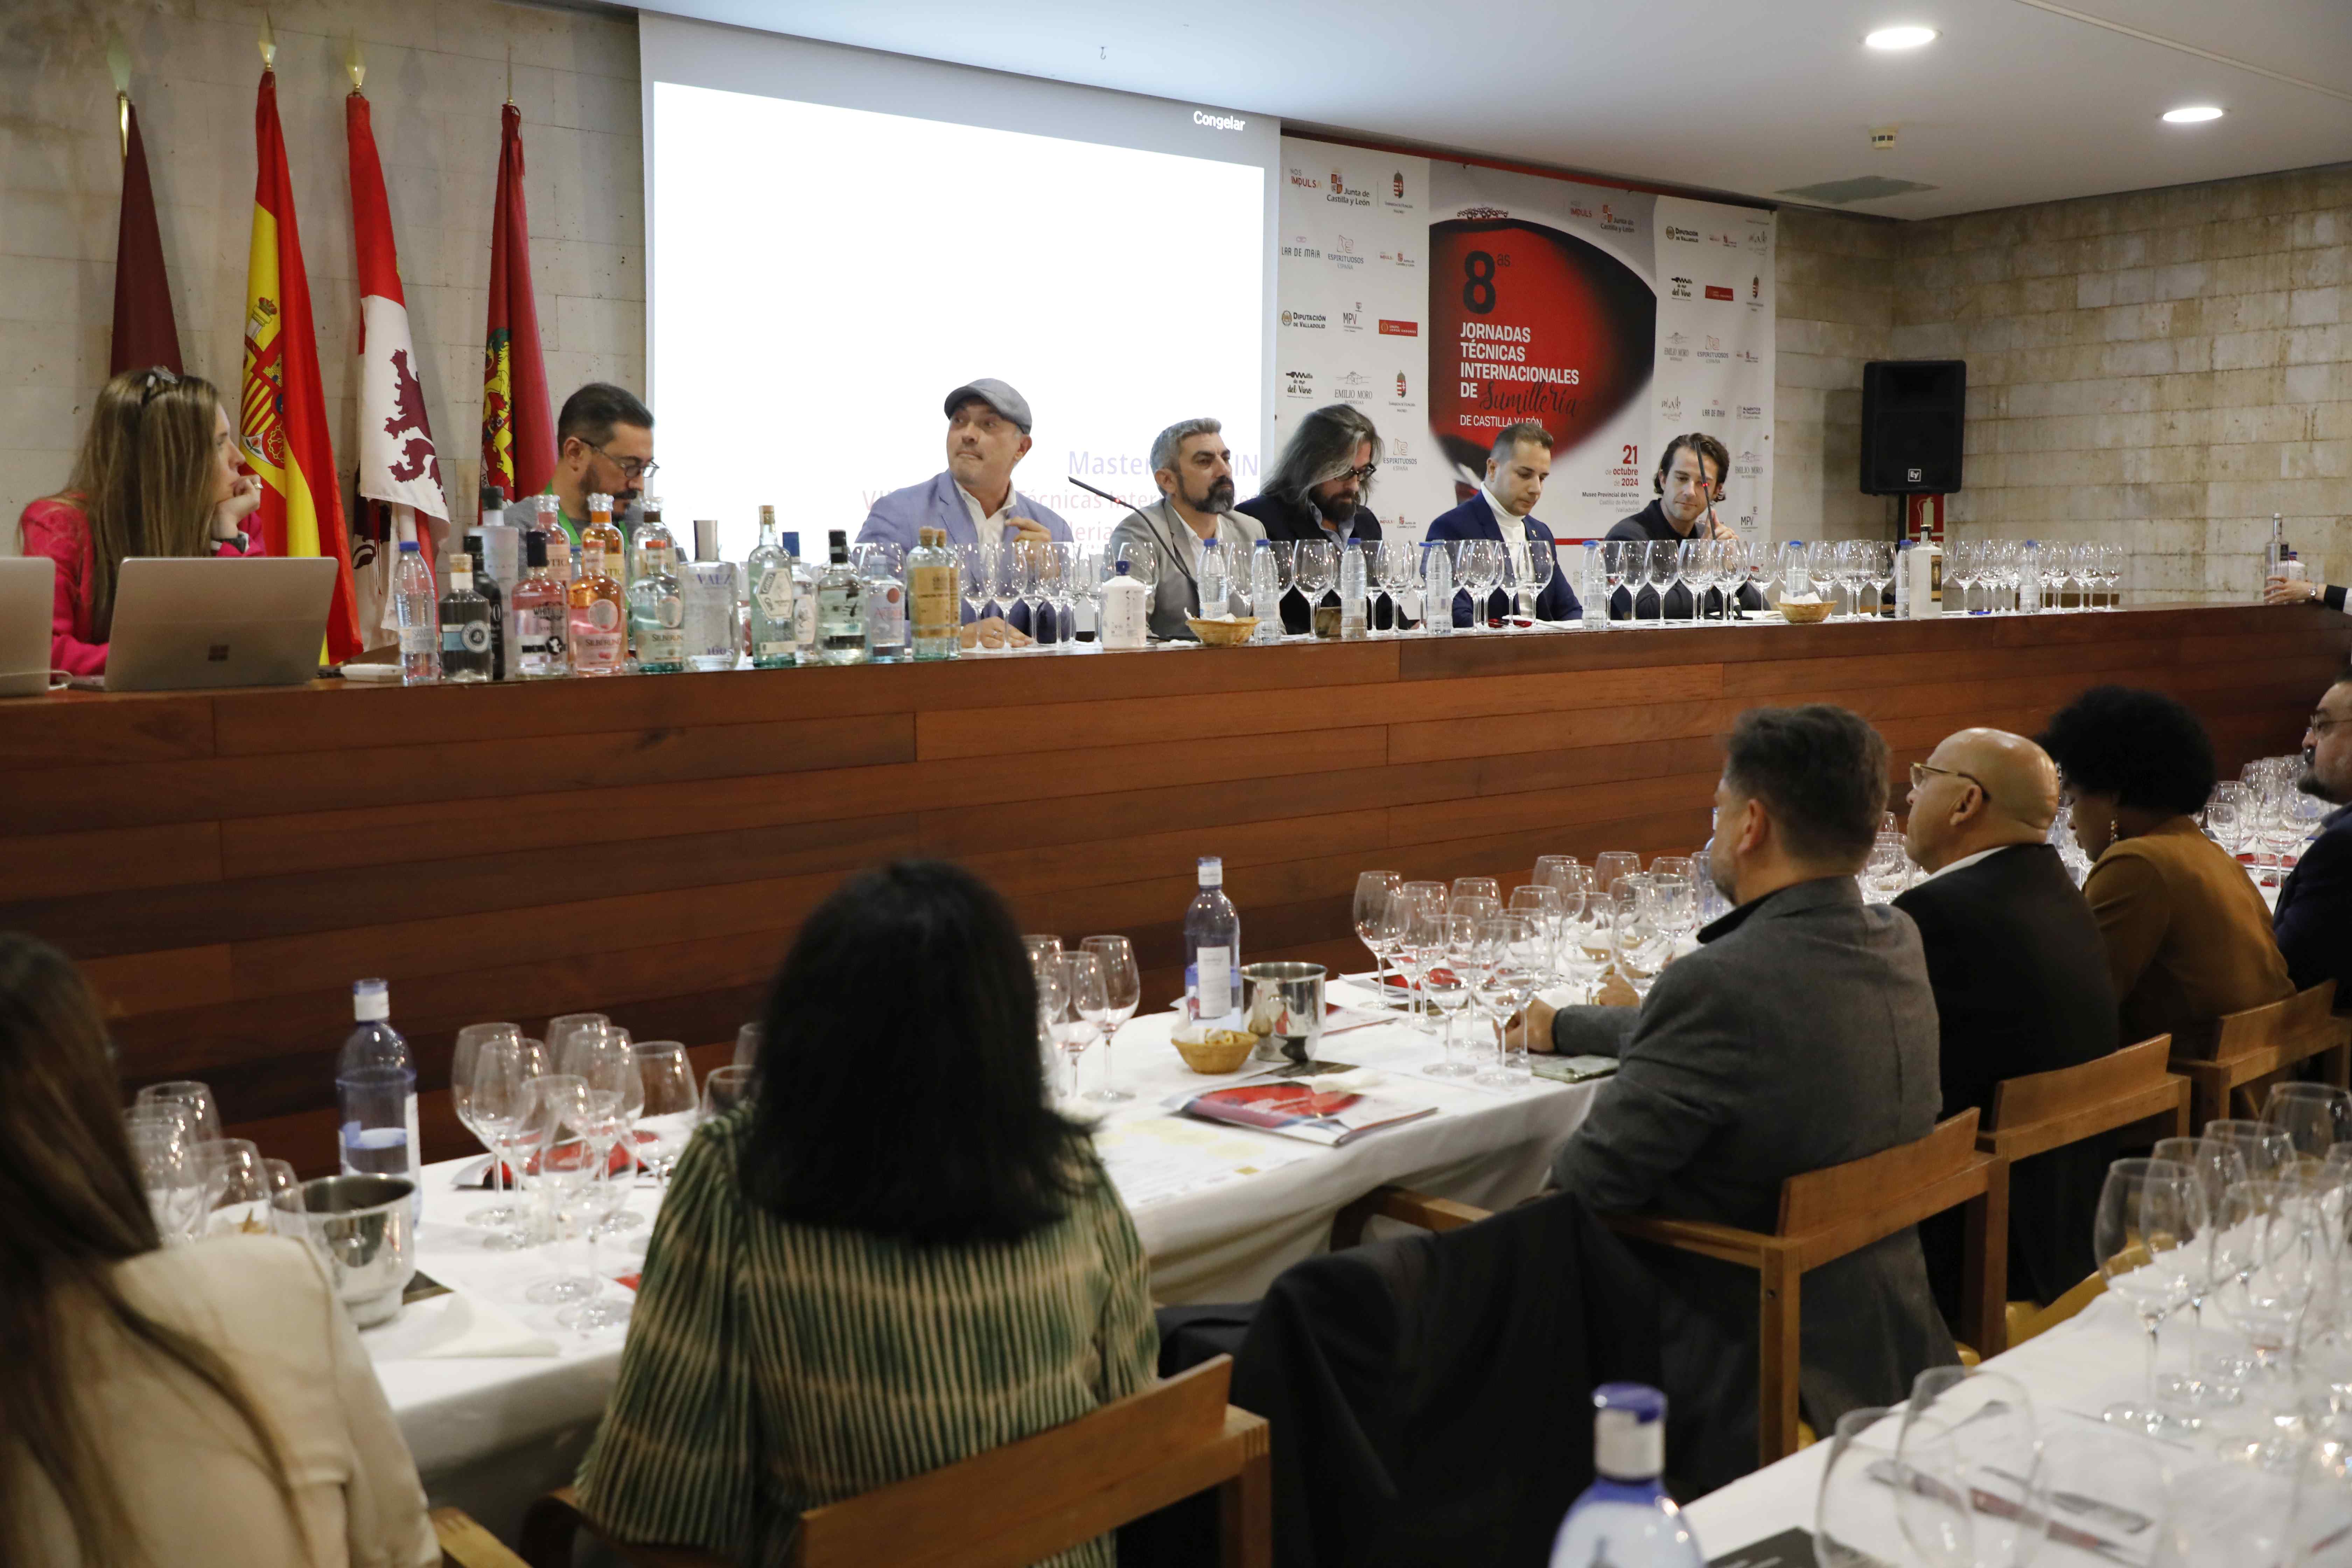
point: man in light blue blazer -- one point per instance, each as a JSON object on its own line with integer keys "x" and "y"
{"x": 973, "y": 497}
{"x": 1516, "y": 471}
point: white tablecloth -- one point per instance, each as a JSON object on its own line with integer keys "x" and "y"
{"x": 490, "y": 1433}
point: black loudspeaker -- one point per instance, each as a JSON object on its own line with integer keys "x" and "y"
{"x": 1912, "y": 418}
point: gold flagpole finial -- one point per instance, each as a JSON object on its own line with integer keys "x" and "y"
{"x": 123, "y": 121}
{"x": 268, "y": 45}
{"x": 117, "y": 65}
{"x": 356, "y": 65}
{"x": 510, "y": 74}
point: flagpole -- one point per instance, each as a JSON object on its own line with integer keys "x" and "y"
{"x": 117, "y": 64}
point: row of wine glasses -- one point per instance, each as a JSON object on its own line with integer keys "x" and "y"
{"x": 1687, "y": 580}
{"x": 198, "y": 1183}
{"x": 1994, "y": 574}
{"x": 2261, "y": 818}
{"x": 1084, "y": 997}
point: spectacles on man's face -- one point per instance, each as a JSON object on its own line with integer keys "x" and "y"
{"x": 2320, "y": 724}
{"x": 1921, "y": 772}
{"x": 632, "y": 468}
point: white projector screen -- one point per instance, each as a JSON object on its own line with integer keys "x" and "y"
{"x": 837, "y": 238}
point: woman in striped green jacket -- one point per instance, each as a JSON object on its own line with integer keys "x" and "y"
{"x": 896, "y": 1255}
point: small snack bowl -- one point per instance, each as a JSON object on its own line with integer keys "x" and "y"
{"x": 1219, "y": 1051}
{"x": 1223, "y": 634}
{"x": 1805, "y": 612}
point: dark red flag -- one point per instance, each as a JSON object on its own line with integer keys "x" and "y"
{"x": 144, "y": 331}
{"x": 518, "y": 430}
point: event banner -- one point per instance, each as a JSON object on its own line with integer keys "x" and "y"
{"x": 1450, "y": 300}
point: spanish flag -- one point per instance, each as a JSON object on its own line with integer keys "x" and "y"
{"x": 283, "y": 416}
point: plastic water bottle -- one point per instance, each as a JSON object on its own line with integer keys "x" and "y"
{"x": 1212, "y": 946}
{"x": 1213, "y": 581}
{"x": 1796, "y": 572}
{"x": 1903, "y": 611}
{"x": 1625, "y": 1519}
{"x": 1437, "y": 564}
{"x": 1265, "y": 593}
{"x": 1592, "y": 588}
{"x": 417, "y": 601}
{"x": 2028, "y": 579}
{"x": 1355, "y": 594}
{"x": 375, "y": 1089}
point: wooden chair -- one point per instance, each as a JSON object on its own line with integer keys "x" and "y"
{"x": 2238, "y": 1055}
{"x": 465, "y": 1544}
{"x": 1824, "y": 1215}
{"x": 2026, "y": 1320}
{"x": 2045, "y": 1110}
{"x": 1013, "y": 1505}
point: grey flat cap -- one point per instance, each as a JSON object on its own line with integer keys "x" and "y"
{"x": 997, "y": 395}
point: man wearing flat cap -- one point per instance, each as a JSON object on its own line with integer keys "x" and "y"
{"x": 974, "y": 498}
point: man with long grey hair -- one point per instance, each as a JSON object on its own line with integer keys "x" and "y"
{"x": 1195, "y": 474}
{"x": 1318, "y": 489}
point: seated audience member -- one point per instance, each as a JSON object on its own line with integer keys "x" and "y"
{"x": 1689, "y": 482}
{"x": 1801, "y": 1034}
{"x": 603, "y": 446}
{"x": 1195, "y": 471}
{"x": 2020, "y": 980}
{"x": 898, "y": 1256}
{"x": 2313, "y": 921}
{"x": 156, "y": 476}
{"x": 1320, "y": 488}
{"x": 2187, "y": 936}
{"x": 206, "y": 1407}
{"x": 1504, "y": 511}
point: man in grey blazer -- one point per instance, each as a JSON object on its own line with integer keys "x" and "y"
{"x": 1801, "y": 1034}
{"x": 1195, "y": 474}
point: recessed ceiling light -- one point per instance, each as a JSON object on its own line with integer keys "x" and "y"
{"x": 2193, "y": 114}
{"x": 1900, "y": 37}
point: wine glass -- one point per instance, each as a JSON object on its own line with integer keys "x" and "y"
{"x": 1478, "y": 570}
{"x": 1637, "y": 940}
{"x": 2266, "y": 1295}
{"x": 2268, "y": 1150}
{"x": 1123, "y": 989}
{"x": 602, "y": 1118}
{"x": 1032, "y": 579}
{"x": 672, "y": 1103}
{"x": 1974, "y": 1431}
{"x": 1610, "y": 864}
{"x": 470, "y": 1041}
{"x": 1662, "y": 570}
{"x": 236, "y": 1187}
{"x": 605, "y": 1060}
{"x": 203, "y": 1115}
{"x": 1421, "y": 943}
{"x": 2110, "y": 574}
{"x": 1617, "y": 562}
{"x": 2216, "y": 1166}
{"x": 1478, "y": 887}
{"x": 560, "y": 1168}
{"x": 1448, "y": 982}
{"x": 1317, "y": 563}
{"x": 1518, "y": 945}
{"x": 2149, "y": 1212}
{"x": 1887, "y": 871}
{"x": 724, "y": 1089}
{"x": 1088, "y": 1006}
{"x": 2315, "y": 1117}
{"x": 1855, "y": 1521}
{"x": 1053, "y": 1004}
{"x": 1376, "y": 897}
{"x": 975, "y": 570}
{"x": 163, "y": 1135}
{"x": 1541, "y": 901}
{"x": 289, "y": 1214}
{"x": 1881, "y": 575}
{"x": 1068, "y": 581}
{"x": 1396, "y": 567}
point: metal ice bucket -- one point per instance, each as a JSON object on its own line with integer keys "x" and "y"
{"x": 1282, "y": 1005}
{"x": 365, "y": 1228}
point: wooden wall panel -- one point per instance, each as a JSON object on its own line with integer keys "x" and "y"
{"x": 225, "y": 864}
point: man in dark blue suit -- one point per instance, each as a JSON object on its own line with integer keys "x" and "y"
{"x": 1516, "y": 471}
{"x": 2313, "y": 923}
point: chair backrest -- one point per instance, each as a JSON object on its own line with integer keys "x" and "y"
{"x": 1862, "y": 1187}
{"x": 940, "y": 1516}
{"x": 2075, "y": 1097}
{"x": 2301, "y": 1019}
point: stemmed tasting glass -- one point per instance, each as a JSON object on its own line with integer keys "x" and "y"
{"x": 1448, "y": 980}
{"x": 1584, "y": 935}
{"x": 605, "y": 1060}
{"x": 1479, "y": 888}
{"x": 203, "y": 1115}
{"x": 1882, "y": 575}
{"x": 1857, "y": 1521}
{"x": 1962, "y": 558}
{"x": 1674, "y": 882}
{"x": 1397, "y": 565}
{"x": 1317, "y": 563}
{"x": 2280, "y": 1271}
{"x": 2268, "y": 1150}
{"x": 1638, "y": 938}
{"x": 1478, "y": 562}
{"x": 1663, "y": 569}
{"x": 1518, "y": 945}
{"x": 2315, "y": 1117}
{"x": 236, "y": 1187}
{"x": 1542, "y": 902}
{"x": 603, "y": 1118}
{"x": 1375, "y": 920}
{"x": 1887, "y": 871}
{"x": 1610, "y": 864}
{"x": 2225, "y": 815}
{"x": 1070, "y": 585}
{"x": 559, "y": 1167}
{"x": 1973, "y": 1432}
{"x": 1041, "y": 945}
{"x": 164, "y": 1147}
{"x": 724, "y": 1089}
{"x": 2222, "y": 1250}
{"x": 485, "y": 1120}
{"x": 1053, "y": 1004}
{"x": 1618, "y": 561}
{"x": 1087, "y": 1004}
{"x": 1033, "y": 565}
{"x": 1421, "y": 944}
{"x": 673, "y": 1104}
{"x": 975, "y": 569}
{"x": 1005, "y": 579}
{"x": 2110, "y": 574}
{"x": 1543, "y": 565}
{"x": 1551, "y": 870}
{"x": 559, "y": 1030}
{"x": 2149, "y": 1213}
{"x": 1123, "y": 987}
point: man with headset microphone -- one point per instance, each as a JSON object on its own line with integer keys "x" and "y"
{"x": 1688, "y": 483}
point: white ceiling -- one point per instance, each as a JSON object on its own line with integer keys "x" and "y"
{"x": 2018, "y": 101}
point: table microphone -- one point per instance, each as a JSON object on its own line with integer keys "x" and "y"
{"x": 1106, "y": 495}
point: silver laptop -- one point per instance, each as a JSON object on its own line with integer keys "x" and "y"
{"x": 28, "y": 587}
{"x": 218, "y": 621}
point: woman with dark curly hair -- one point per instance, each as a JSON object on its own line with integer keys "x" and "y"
{"x": 2188, "y": 938}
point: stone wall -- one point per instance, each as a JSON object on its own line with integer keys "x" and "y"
{"x": 1835, "y": 281}
{"x": 437, "y": 75}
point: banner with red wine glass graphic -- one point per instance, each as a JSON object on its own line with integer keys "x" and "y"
{"x": 1448, "y": 300}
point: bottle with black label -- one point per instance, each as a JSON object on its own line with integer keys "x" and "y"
{"x": 487, "y": 587}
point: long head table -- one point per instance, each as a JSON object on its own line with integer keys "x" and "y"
{"x": 223, "y": 864}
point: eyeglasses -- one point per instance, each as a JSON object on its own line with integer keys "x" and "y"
{"x": 1921, "y": 772}
{"x": 631, "y": 467}
{"x": 157, "y": 380}
{"x": 1362, "y": 473}
{"x": 2320, "y": 724}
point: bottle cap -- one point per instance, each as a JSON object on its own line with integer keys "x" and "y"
{"x": 1212, "y": 872}
{"x": 767, "y": 516}
{"x": 406, "y": 545}
{"x": 460, "y": 563}
{"x": 371, "y": 1000}
{"x": 600, "y": 503}
{"x": 534, "y": 547}
{"x": 706, "y": 539}
{"x": 1629, "y": 1431}
{"x": 792, "y": 541}
{"x": 1122, "y": 567}
{"x": 494, "y": 497}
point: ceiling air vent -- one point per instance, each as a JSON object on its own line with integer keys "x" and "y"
{"x": 1867, "y": 188}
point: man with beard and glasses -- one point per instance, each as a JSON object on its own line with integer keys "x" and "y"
{"x": 1195, "y": 474}
{"x": 1318, "y": 489}
{"x": 604, "y": 445}
{"x": 2313, "y": 924}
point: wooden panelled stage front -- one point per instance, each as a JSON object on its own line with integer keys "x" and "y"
{"x": 223, "y": 864}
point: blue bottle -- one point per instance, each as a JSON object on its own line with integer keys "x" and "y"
{"x": 376, "y": 1089}
{"x": 1625, "y": 1519}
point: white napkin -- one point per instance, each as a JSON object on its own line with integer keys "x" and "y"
{"x": 1355, "y": 1080}
{"x": 458, "y": 1325}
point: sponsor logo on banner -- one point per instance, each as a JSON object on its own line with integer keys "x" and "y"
{"x": 1400, "y": 456}
{"x": 1303, "y": 180}
{"x": 1682, "y": 236}
{"x": 1400, "y": 384}
{"x": 1352, "y": 320}
{"x": 1343, "y": 252}
{"x": 1748, "y": 356}
{"x": 1576, "y": 210}
{"x": 1402, "y": 259}
{"x": 1480, "y": 214}
{"x": 1399, "y": 328}
{"x": 1725, "y": 240}
{"x": 1758, "y": 237}
{"x": 1717, "y": 291}
{"x": 1298, "y": 383}
{"x": 1681, "y": 288}
{"x": 1396, "y": 185}
{"x": 1746, "y": 465}
{"x": 1712, "y": 411}
{"x": 1299, "y": 246}
{"x": 1752, "y": 411}
{"x": 1345, "y": 194}
{"x": 1677, "y": 346}
{"x": 1714, "y": 349}
{"x": 1756, "y": 291}
{"x": 1613, "y": 222}
{"x": 1672, "y": 408}
{"x": 1354, "y": 387}
{"x": 1304, "y": 319}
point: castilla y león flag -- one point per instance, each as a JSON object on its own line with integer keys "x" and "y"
{"x": 517, "y": 430}
{"x": 397, "y": 466}
{"x": 283, "y": 413}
